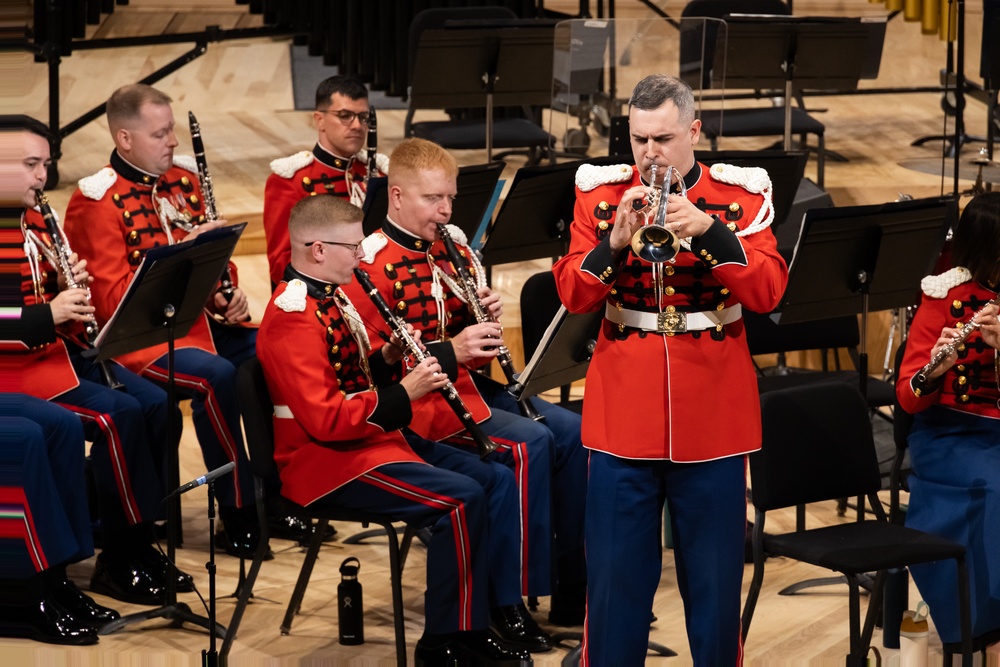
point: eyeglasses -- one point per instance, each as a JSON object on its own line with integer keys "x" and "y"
{"x": 353, "y": 247}
{"x": 347, "y": 117}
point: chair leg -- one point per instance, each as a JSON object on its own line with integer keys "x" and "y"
{"x": 874, "y": 607}
{"x": 758, "y": 576}
{"x": 820, "y": 160}
{"x": 307, "y": 567}
{"x": 965, "y": 612}
{"x": 396, "y": 577}
{"x": 857, "y": 656}
{"x": 404, "y": 547}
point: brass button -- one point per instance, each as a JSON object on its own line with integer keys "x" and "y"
{"x": 703, "y": 252}
{"x": 401, "y": 306}
{"x": 334, "y": 349}
{"x": 340, "y": 382}
{"x": 732, "y": 226}
{"x": 956, "y": 304}
{"x": 418, "y": 244}
{"x": 614, "y": 291}
{"x": 602, "y": 225}
{"x": 193, "y": 199}
{"x": 734, "y": 207}
{"x": 343, "y": 393}
{"x": 185, "y": 181}
{"x": 714, "y": 262}
{"x": 604, "y": 206}
{"x": 960, "y": 368}
{"x": 669, "y": 270}
{"x": 963, "y": 398}
{"x": 306, "y": 180}
{"x": 670, "y": 290}
{"x": 116, "y": 197}
{"x": 337, "y": 366}
{"x": 126, "y": 215}
{"x": 963, "y": 381}
{"x": 330, "y": 331}
{"x": 328, "y": 288}
{"x": 724, "y": 291}
{"x": 132, "y": 238}
{"x": 720, "y": 306}
{"x": 145, "y": 179}
{"x": 671, "y": 309}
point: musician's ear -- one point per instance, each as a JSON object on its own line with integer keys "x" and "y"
{"x": 123, "y": 138}
{"x": 395, "y": 196}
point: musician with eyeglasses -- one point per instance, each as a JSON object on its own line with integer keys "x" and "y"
{"x": 128, "y": 427}
{"x": 413, "y": 271}
{"x": 339, "y": 408}
{"x": 948, "y": 381}
{"x": 149, "y": 196}
{"x": 671, "y": 406}
{"x": 337, "y": 165}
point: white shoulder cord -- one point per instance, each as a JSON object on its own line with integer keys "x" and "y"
{"x": 357, "y": 327}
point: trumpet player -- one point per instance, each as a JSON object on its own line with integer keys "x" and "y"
{"x": 671, "y": 406}
{"x": 338, "y": 443}
{"x": 955, "y": 438}
{"x": 127, "y": 428}
{"x": 148, "y": 196}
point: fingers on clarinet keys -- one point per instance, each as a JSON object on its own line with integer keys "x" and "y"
{"x": 474, "y": 647}
{"x": 518, "y": 629}
{"x": 46, "y": 621}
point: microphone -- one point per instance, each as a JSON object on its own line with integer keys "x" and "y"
{"x": 204, "y": 479}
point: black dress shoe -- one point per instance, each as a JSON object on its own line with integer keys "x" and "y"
{"x": 81, "y": 606}
{"x": 568, "y": 611}
{"x": 46, "y": 621}
{"x": 159, "y": 566}
{"x": 291, "y": 527}
{"x": 240, "y": 532}
{"x": 462, "y": 649}
{"x": 517, "y": 628}
{"x": 127, "y": 578}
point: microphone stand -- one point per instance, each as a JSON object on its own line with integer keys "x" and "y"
{"x": 210, "y": 658}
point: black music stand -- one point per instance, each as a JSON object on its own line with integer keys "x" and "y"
{"x": 854, "y": 259}
{"x": 476, "y": 185}
{"x": 563, "y": 354}
{"x": 482, "y": 64}
{"x": 165, "y": 298}
{"x": 793, "y": 54}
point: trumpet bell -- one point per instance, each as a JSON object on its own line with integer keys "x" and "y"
{"x": 656, "y": 244}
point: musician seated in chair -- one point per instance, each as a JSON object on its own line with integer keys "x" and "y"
{"x": 127, "y": 427}
{"x": 338, "y": 444}
{"x": 337, "y": 164}
{"x": 412, "y": 268}
{"x": 951, "y": 389}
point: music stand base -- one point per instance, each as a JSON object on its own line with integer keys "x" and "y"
{"x": 573, "y": 657}
{"x": 949, "y": 141}
{"x": 179, "y": 613}
{"x": 866, "y": 582}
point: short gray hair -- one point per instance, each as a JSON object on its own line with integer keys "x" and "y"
{"x": 657, "y": 89}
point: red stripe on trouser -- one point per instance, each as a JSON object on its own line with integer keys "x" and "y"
{"x": 463, "y": 550}
{"x": 25, "y": 527}
{"x": 520, "y": 456}
{"x": 118, "y": 466}
{"x": 218, "y": 422}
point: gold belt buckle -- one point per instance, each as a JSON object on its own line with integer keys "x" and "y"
{"x": 671, "y": 323}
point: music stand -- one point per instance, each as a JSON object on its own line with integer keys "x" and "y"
{"x": 165, "y": 298}
{"x": 563, "y": 354}
{"x": 793, "y": 53}
{"x": 476, "y": 185}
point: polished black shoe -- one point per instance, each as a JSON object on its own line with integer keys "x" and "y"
{"x": 46, "y": 621}
{"x": 127, "y": 578}
{"x": 462, "y": 649}
{"x": 517, "y": 628}
{"x": 81, "y": 606}
{"x": 159, "y": 566}
{"x": 568, "y": 610}
{"x": 240, "y": 532}
{"x": 291, "y": 527}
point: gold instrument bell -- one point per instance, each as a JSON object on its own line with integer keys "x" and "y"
{"x": 653, "y": 242}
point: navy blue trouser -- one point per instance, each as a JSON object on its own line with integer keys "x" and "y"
{"x": 44, "y": 520}
{"x": 707, "y": 503}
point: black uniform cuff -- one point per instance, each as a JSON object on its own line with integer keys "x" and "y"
{"x": 719, "y": 245}
{"x": 924, "y": 388}
{"x": 444, "y": 351}
{"x": 383, "y": 373}
{"x": 37, "y": 326}
{"x": 393, "y": 411}
{"x": 601, "y": 262}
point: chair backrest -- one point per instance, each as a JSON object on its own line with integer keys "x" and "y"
{"x": 258, "y": 411}
{"x": 902, "y": 421}
{"x": 539, "y": 304}
{"x": 817, "y": 445}
{"x": 699, "y": 41}
{"x": 766, "y": 337}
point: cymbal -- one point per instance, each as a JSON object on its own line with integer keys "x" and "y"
{"x": 967, "y": 169}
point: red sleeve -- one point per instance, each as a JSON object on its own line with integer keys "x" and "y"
{"x": 280, "y": 195}
{"x": 931, "y": 317}
{"x": 95, "y": 235}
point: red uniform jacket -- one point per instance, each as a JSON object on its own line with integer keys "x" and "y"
{"x": 40, "y": 356}
{"x": 329, "y": 426}
{"x": 299, "y": 176}
{"x": 112, "y": 220}
{"x": 688, "y": 396}
{"x": 971, "y": 384}
{"x": 400, "y": 266}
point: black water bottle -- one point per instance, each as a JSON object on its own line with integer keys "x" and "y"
{"x": 350, "y": 612}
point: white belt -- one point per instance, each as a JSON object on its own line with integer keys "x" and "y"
{"x": 672, "y": 323}
{"x": 283, "y": 412}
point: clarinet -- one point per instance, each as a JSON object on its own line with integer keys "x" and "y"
{"x": 62, "y": 252}
{"x": 469, "y": 287}
{"x": 372, "y": 166}
{"x": 483, "y": 443}
{"x": 208, "y": 197}
{"x": 947, "y": 350}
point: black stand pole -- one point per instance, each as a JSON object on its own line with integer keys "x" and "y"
{"x": 172, "y": 610}
{"x": 210, "y": 658}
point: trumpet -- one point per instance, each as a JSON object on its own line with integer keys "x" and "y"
{"x": 947, "y": 350}
{"x": 653, "y": 242}
{"x": 468, "y": 285}
{"x": 59, "y": 255}
{"x": 483, "y": 443}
